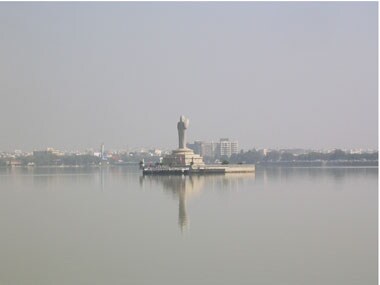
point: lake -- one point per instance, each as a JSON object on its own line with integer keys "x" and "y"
{"x": 114, "y": 226}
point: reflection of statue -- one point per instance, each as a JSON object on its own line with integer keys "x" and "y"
{"x": 182, "y": 125}
{"x": 182, "y": 215}
{"x": 182, "y": 187}
{"x": 185, "y": 187}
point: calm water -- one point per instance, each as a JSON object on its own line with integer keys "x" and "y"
{"x": 112, "y": 226}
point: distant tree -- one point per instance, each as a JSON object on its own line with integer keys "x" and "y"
{"x": 287, "y": 156}
{"x": 3, "y": 162}
{"x": 337, "y": 155}
{"x": 272, "y": 156}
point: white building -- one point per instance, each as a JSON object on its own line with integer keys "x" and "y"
{"x": 227, "y": 147}
{"x": 224, "y": 147}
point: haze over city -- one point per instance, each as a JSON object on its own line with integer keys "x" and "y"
{"x": 274, "y": 75}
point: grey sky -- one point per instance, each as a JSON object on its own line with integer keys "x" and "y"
{"x": 73, "y": 75}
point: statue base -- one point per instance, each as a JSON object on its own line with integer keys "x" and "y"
{"x": 183, "y": 157}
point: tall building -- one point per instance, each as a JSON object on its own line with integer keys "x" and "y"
{"x": 205, "y": 149}
{"x": 196, "y": 147}
{"x": 210, "y": 149}
{"x": 102, "y": 150}
{"x": 227, "y": 147}
{"x": 224, "y": 147}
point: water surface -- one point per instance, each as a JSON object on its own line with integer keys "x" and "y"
{"x": 113, "y": 226}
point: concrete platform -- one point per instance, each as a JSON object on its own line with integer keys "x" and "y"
{"x": 198, "y": 170}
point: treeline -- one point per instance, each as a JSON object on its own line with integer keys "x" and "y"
{"x": 51, "y": 159}
{"x": 255, "y": 157}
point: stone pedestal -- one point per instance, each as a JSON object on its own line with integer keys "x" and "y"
{"x": 183, "y": 157}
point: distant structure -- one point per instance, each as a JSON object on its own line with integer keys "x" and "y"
{"x": 48, "y": 152}
{"x": 183, "y": 156}
{"x": 102, "y": 152}
{"x": 204, "y": 149}
{"x": 103, "y": 157}
{"x": 225, "y": 147}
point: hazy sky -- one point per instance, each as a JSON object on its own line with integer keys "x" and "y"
{"x": 73, "y": 75}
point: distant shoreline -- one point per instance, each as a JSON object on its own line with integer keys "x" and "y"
{"x": 259, "y": 165}
{"x": 320, "y": 164}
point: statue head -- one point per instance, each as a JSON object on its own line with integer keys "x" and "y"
{"x": 184, "y": 121}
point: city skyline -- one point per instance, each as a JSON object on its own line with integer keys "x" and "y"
{"x": 275, "y": 75}
{"x": 191, "y": 145}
